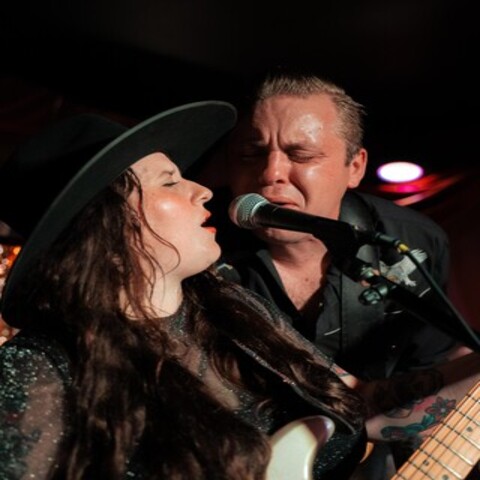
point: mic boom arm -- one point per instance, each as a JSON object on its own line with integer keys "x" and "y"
{"x": 429, "y": 312}
{"x": 343, "y": 241}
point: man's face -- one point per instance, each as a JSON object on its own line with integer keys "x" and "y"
{"x": 290, "y": 152}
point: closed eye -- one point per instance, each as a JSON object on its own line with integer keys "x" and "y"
{"x": 303, "y": 156}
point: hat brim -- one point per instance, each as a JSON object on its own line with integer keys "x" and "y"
{"x": 184, "y": 134}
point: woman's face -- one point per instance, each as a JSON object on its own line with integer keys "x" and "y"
{"x": 174, "y": 209}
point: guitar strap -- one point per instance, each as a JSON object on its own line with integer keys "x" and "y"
{"x": 357, "y": 318}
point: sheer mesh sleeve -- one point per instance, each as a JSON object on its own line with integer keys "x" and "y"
{"x": 32, "y": 409}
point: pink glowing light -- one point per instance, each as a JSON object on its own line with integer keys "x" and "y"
{"x": 399, "y": 172}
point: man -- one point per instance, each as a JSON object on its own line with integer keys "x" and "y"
{"x": 299, "y": 145}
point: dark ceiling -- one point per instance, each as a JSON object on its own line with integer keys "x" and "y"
{"x": 412, "y": 63}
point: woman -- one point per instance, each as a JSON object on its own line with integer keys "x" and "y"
{"x": 134, "y": 359}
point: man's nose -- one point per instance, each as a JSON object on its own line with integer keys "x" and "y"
{"x": 276, "y": 168}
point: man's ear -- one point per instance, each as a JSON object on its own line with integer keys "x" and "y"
{"x": 357, "y": 168}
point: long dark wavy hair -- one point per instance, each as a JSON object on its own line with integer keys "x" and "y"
{"x": 130, "y": 402}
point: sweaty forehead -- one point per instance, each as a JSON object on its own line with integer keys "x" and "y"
{"x": 292, "y": 117}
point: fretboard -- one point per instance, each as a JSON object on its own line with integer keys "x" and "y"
{"x": 453, "y": 449}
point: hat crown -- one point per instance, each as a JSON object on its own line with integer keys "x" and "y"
{"x": 39, "y": 169}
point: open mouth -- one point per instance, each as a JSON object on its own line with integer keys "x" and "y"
{"x": 208, "y": 223}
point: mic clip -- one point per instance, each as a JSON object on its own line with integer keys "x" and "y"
{"x": 378, "y": 286}
{"x": 378, "y": 290}
{"x": 381, "y": 288}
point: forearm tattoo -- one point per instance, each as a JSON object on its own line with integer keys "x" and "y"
{"x": 399, "y": 397}
{"x": 434, "y": 414}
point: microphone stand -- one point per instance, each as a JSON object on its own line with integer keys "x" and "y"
{"x": 343, "y": 241}
{"x": 381, "y": 288}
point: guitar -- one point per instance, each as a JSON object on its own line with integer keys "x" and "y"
{"x": 295, "y": 445}
{"x": 449, "y": 453}
{"x": 453, "y": 449}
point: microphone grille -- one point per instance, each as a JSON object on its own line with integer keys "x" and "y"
{"x": 242, "y": 209}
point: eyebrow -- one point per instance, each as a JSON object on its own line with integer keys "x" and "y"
{"x": 168, "y": 173}
{"x": 289, "y": 147}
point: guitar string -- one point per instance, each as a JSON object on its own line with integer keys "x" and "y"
{"x": 451, "y": 432}
{"x": 456, "y": 430}
{"x": 459, "y": 416}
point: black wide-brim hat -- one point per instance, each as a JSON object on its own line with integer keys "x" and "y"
{"x": 51, "y": 177}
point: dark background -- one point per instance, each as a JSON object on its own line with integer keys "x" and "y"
{"x": 411, "y": 63}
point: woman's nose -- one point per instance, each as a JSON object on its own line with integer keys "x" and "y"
{"x": 203, "y": 194}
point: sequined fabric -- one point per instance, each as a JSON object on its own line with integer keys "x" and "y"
{"x": 33, "y": 383}
{"x": 35, "y": 379}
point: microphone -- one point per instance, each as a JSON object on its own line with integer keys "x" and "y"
{"x": 253, "y": 211}
{"x": 343, "y": 241}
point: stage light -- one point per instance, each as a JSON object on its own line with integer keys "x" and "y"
{"x": 399, "y": 172}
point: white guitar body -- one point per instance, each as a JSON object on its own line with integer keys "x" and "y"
{"x": 450, "y": 453}
{"x": 295, "y": 445}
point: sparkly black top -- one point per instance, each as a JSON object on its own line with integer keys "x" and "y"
{"x": 35, "y": 380}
